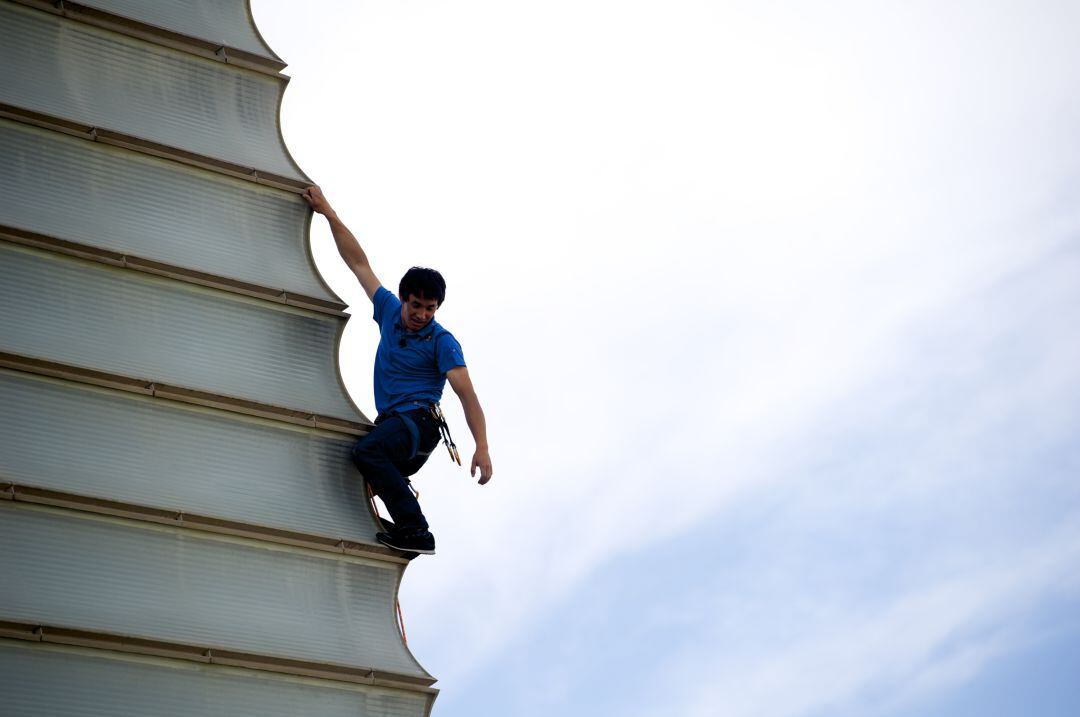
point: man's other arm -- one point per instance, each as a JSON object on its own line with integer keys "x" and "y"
{"x": 347, "y": 245}
{"x": 474, "y": 416}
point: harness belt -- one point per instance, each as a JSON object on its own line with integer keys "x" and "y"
{"x": 435, "y": 411}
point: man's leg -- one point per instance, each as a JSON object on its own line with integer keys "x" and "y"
{"x": 375, "y": 455}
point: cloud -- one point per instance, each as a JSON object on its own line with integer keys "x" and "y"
{"x": 926, "y": 638}
{"x": 929, "y": 454}
{"x": 710, "y": 262}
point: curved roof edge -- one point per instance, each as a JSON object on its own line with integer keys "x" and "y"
{"x": 65, "y": 635}
{"x": 149, "y": 387}
{"x": 88, "y": 252}
{"x": 139, "y": 20}
{"x": 179, "y": 518}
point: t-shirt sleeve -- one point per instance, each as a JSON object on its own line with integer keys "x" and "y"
{"x": 448, "y": 353}
{"x": 383, "y": 301}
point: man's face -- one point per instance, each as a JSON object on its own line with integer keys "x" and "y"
{"x": 417, "y": 312}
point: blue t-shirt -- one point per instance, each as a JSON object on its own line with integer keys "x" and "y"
{"x": 416, "y": 372}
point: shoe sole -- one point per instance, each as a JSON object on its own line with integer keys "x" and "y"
{"x": 407, "y": 550}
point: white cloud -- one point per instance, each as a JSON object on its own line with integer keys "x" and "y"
{"x": 932, "y": 636}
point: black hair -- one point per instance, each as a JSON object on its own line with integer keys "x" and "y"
{"x": 423, "y": 283}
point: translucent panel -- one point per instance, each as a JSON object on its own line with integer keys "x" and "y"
{"x": 152, "y": 208}
{"x": 120, "y": 321}
{"x": 160, "y": 454}
{"x": 96, "y": 77}
{"x": 225, "y": 22}
{"x": 45, "y": 681}
{"x": 123, "y": 577}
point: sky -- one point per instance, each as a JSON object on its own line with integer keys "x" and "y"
{"x": 772, "y": 310}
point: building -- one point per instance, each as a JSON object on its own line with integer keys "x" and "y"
{"x": 182, "y": 532}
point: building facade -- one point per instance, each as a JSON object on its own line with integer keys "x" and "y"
{"x": 182, "y": 530}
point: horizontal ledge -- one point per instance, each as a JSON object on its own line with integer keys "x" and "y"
{"x": 149, "y": 387}
{"x": 159, "y": 35}
{"x": 194, "y": 521}
{"x": 153, "y": 149}
{"x": 56, "y": 245}
{"x": 211, "y": 655}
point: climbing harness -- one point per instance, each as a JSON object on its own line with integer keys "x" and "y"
{"x": 444, "y": 431}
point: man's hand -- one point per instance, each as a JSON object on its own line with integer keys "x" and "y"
{"x": 317, "y": 201}
{"x": 481, "y": 460}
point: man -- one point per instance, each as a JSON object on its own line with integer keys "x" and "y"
{"x": 415, "y": 359}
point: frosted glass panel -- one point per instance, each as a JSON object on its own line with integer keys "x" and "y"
{"x": 153, "y": 208}
{"x": 88, "y": 75}
{"x": 159, "y": 454}
{"x": 65, "y": 568}
{"x": 120, "y": 321}
{"x": 45, "y": 681}
{"x": 224, "y": 22}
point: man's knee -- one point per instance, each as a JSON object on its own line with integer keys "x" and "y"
{"x": 366, "y": 453}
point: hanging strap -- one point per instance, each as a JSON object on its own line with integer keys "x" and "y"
{"x": 444, "y": 431}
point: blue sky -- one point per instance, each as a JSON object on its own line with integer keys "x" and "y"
{"x": 772, "y": 310}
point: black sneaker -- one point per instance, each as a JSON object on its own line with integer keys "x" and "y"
{"x": 409, "y": 541}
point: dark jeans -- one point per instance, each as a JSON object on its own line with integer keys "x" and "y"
{"x": 396, "y": 448}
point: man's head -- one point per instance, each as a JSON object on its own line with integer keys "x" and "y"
{"x": 422, "y": 292}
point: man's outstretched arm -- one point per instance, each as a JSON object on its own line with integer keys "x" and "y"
{"x": 474, "y": 416}
{"x": 347, "y": 245}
